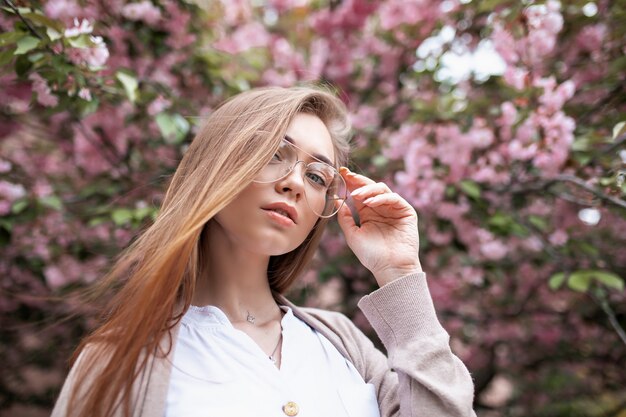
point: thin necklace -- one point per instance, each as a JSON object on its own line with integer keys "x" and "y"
{"x": 250, "y": 318}
{"x": 272, "y": 358}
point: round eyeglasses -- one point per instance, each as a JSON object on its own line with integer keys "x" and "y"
{"x": 324, "y": 187}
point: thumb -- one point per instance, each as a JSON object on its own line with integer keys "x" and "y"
{"x": 345, "y": 220}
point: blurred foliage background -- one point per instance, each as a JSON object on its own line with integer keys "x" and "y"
{"x": 502, "y": 122}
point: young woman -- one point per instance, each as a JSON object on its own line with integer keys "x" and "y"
{"x": 200, "y": 326}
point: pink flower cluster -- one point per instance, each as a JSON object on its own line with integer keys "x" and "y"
{"x": 546, "y": 135}
{"x": 544, "y": 22}
{"x": 144, "y": 11}
{"x": 251, "y": 35}
{"x": 44, "y": 94}
{"x": 9, "y": 192}
{"x": 94, "y": 56}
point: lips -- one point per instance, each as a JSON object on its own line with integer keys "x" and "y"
{"x": 283, "y": 209}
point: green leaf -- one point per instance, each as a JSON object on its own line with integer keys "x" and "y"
{"x": 20, "y": 10}
{"x": 470, "y": 188}
{"x": 19, "y": 206}
{"x": 6, "y": 57}
{"x": 80, "y": 41}
{"x": 43, "y": 20}
{"x": 121, "y": 216}
{"x": 579, "y": 281}
{"x": 129, "y": 83}
{"x": 379, "y": 161}
{"x": 539, "y": 222}
{"x": 556, "y": 281}
{"x": 96, "y": 221}
{"x": 609, "y": 279}
{"x": 87, "y": 107}
{"x": 619, "y": 129}
{"x": 10, "y": 37}
{"x": 500, "y": 220}
{"x": 6, "y": 225}
{"x": 25, "y": 44}
{"x": 52, "y": 201}
{"x": 22, "y": 65}
{"x": 143, "y": 212}
{"x": 53, "y": 34}
{"x": 173, "y": 127}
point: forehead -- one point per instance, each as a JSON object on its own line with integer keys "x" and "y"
{"x": 310, "y": 134}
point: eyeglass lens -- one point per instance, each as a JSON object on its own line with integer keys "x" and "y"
{"x": 323, "y": 183}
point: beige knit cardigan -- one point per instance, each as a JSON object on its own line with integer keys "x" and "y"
{"x": 419, "y": 377}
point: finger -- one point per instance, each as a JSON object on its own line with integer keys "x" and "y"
{"x": 345, "y": 219}
{"x": 354, "y": 180}
{"x": 391, "y": 199}
{"x": 370, "y": 190}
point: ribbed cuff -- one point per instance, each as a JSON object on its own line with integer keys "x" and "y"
{"x": 402, "y": 311}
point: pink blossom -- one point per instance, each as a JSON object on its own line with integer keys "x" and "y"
{"x": 42, "y": 188}
{"x": 515, "y": 77}
{"x": 177, "y": 24}
{"x": 490, "y": 247}
{"x": 65, "y": 271}
{"x": 86, "y": 155}
{"x": 348, "y": 16}
{"x": 44, "y": 94}
{"x": 517, "y": 151}
{"x": 591, "y": 37}
{"x": 10, "y": 191}
{"x": 251, "y": 35}
{"x": 94, "y": 56}
{"x": 284, "y": 5}
{"x": 236, "y": 11}
{"x": 480, "y": 136}
{"x": 509, "y": 113}
{"x": 85, "y": 94}
{"x": 282, "y": 79}
{"x": 558, "y": 237}
{"x": 366, "y": 117}
{"x": 84, "y": 27}
{"x": 494, "y": 250}
{"x": 318, "y": 56}
{"x": 539, "y": 44}
{"x": 60, "y": 9}
{"x": 5, "y": 166}
{"x": 143, "y": 11}
{"x": 439, "y": 238}
{"x": 394, "y": 13}
{"x": 158, "y": 105}
{"x": 504, "y": 43}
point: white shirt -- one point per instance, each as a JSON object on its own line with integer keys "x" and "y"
{"x": 219, "y": 370}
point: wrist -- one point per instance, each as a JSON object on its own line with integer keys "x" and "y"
{"x": 388, "y": 275}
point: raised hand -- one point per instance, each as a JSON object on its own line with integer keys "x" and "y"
{"x": 387, "y": 241}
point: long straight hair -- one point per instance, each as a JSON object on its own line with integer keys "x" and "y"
{"x": 157, "y": 273}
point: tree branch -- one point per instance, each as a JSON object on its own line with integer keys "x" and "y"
{"x": 10, "y": 4}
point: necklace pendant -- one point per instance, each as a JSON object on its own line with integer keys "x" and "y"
{"x": 273, "y": 359}
{"x": 250, "y": 318}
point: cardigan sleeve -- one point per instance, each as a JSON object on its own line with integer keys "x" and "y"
{"x": 420, "y": 375}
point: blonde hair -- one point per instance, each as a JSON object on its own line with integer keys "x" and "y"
{"x": 160, "y": 268}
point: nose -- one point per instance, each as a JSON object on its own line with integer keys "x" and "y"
{"x": 293, "y": 181}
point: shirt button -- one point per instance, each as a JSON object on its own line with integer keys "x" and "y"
{"x": 291, "y": 408}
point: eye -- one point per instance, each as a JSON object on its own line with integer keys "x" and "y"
{"x": 317, "y": 179}
{"x": 279, "y": 156}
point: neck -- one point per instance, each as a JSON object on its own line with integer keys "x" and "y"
{"x": 235, "y": 280}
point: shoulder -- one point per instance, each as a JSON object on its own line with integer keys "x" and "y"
{"x": 338, "y": 322}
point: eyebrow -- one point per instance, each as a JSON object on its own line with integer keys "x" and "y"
{"x": 317, "y": 156}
